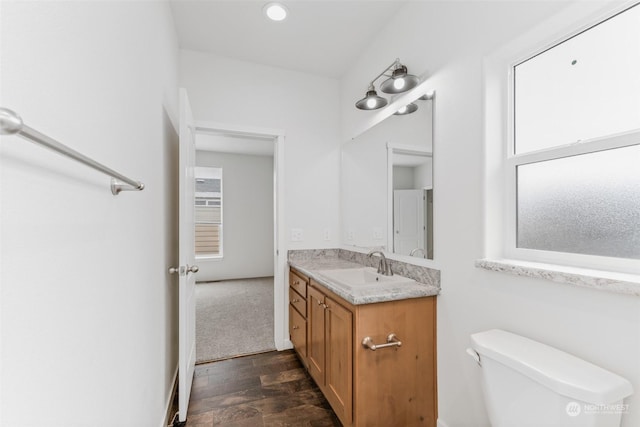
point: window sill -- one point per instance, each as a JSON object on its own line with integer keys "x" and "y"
{"x": 620, "y": 283}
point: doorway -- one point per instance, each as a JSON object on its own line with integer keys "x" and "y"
{"x": 410, "y": 200}
{"x": 237, "y": 224}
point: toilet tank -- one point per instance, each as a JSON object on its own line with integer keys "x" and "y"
{"x": 530, "y": 384}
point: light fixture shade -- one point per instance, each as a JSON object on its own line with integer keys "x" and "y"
{"x": 371, "y": 101}
{"x": 400, "y": 81}
{"x": 407, "y": 109}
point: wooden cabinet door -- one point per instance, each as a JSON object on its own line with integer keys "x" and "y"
{"x": 339, "y": 361}
{"x": 396, "y": 386}
{"x": 298, "y": 332}
{"x": 316, "y": 334}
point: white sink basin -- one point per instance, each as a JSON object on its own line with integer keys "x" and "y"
{"x": 362, "y": 277}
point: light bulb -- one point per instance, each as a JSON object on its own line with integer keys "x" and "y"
{"x": 275, "y": 11}
{"x": 398, "y": 83}
{"x": 371, "y": 103}
{"x": 402, "y": 109}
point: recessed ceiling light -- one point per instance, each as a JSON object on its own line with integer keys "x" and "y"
{"x": 275, "y": 11}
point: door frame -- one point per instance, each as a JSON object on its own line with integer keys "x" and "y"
{"x": 280, "y": 299}
{"x": 394, "y": 148}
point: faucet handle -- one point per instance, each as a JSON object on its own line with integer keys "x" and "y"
{"x": 387, "y": 269}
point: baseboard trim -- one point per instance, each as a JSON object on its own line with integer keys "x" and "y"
{"x": 441, "y": 423}
{"x": 168, "y": 416}
{"x": 285, "y": 345}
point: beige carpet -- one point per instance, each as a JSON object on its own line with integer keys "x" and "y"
{"x": 234, "y": 317}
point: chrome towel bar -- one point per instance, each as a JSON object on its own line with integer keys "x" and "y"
{"x": 392, "y": 341}
{"x": 11, "y": 124}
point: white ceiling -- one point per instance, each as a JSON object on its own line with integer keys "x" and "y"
{"x": 318, "y": 37}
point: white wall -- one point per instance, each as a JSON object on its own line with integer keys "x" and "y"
{"x": 247, "y": 204}
{"x": 423, "y": 174}
{"x": 304, "y": 106}
{"x": 89, "y": 312}
{"x": 448, "y": 41}
{"x": 412, "y": 177}
{"x": 403, "y": 178}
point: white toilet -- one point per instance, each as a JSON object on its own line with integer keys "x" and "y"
{"x": 529, "y": 384}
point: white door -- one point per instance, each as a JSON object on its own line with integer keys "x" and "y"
{"x": 186, "y": 269}
{"x": 408, "y": 221}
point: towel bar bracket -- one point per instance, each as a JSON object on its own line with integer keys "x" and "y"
{"x": 117, "y": 187}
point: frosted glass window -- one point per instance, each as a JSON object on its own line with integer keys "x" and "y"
{"x": 586, "y": 204}
{"x": 583, "y": 88}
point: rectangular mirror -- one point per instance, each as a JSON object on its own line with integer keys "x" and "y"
{"x": 387, "y": 184}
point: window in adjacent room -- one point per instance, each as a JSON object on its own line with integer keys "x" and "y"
{"x": 208, "y": 212}
{"x": 573, "y": 162}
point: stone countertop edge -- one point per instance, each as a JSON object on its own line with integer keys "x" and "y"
{"x": 602, "y": 281}
{"x": 311, "y": 266}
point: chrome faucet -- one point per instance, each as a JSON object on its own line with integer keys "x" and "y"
{"x": 383, "y": 267}
{"x": 416, "y": 250}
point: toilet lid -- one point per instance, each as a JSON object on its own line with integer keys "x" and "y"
{"x": 559, "y": 371}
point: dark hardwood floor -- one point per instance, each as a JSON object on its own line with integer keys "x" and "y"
{"x": 269, "y": 389}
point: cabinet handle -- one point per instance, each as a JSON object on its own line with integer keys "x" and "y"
{"x": 319, "y": 302}
{"x": 295, "y": 300}
{"x": 392, "y": 341}
{"x": 296, "y": 327}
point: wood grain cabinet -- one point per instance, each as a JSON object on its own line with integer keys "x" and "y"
{"x": 396, "y": 386}
{"x": 330, "y": 350}
{"x": 391, "y": 386}
{"x": 298, "y": 313}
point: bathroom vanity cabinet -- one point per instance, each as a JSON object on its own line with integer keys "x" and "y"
{"x": 391, "y": 386}
{"x": 298, "y": 313}
{"x": 330, "y": 350}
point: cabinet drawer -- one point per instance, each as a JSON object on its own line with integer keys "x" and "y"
{"x": 298, "y": 331}
{"x": 298, "y": 283}
{"x": 298, "y": 302}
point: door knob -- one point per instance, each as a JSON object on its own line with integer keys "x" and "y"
{"x": 184, "y": 270}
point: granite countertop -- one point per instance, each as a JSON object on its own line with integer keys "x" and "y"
{"x": 314, "y": 266}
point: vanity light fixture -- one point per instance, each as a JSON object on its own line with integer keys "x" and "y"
{"x": 406, "y": 109}
{"x": 400, "y": 81}
{"x": 275, "y": 11}
{"x": 397, "y": 82}
{"x": 371, "y": 101}
{"x": 413, "y": 107}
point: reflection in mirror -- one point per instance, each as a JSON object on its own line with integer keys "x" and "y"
{"x": 387, "y": 191}
{"x": 410, "y": 200}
